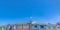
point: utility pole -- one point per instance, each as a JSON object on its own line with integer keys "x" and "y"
{"x": 30, "y": 24}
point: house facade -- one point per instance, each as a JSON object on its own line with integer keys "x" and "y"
{"x": 30, "y": 26}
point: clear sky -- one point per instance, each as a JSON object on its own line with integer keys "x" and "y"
{"x": 15, "y": 11}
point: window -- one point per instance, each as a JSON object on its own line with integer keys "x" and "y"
{"x": 41, "y": 26}
{"x": 58, "y": 27}
{"x": 26, "y": 26}
{"x": 35, "y": 26}
{"x": 10, "y": 28}
{"x": 19, "y": 26}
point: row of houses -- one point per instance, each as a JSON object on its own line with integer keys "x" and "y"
{"x": 21, "y": 26}
{"x": 31, "y": 26}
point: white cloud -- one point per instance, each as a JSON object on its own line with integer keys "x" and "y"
{"x": 33, "y": 22}
{"x": 53, "y": 19}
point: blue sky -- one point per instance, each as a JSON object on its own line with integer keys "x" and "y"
{"x": 16, "y": 11}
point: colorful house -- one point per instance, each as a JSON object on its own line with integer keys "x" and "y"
{"x": 38, "y": 26}
{"x": 30, "y": 26}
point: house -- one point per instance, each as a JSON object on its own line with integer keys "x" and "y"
{"x": 31, "y": 26}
